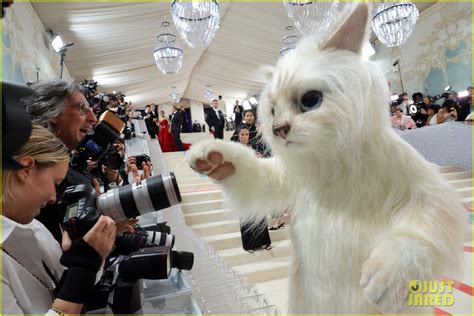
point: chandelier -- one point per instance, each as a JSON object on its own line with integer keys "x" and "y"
{"x": 167, "y": 53}
{"x": 196, "y": 21}
{"x": 208, "y": 94}
{"x": 311, "y": 17}
{"x": 174, "y": 95}
{"x": 289, "y": 40}
{"x": 393, "y": 23}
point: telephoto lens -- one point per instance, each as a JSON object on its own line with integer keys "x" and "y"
{"x": 154, "y": 263}
{"x": 139, "y": 198}
{"x": 127, "y": 243}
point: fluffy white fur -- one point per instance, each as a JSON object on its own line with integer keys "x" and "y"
{"x": 369, "y": 212}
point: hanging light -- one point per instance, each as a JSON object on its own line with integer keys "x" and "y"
{"x": 208, "y": 94}
{"x": 393, "y": 22}
{"x": 289, "y": 40}
{"x": 168, "y": 55}
{"x": 174, "y": 95}
{"x": 197, "y": 21}
{"x": 312, "y": 17}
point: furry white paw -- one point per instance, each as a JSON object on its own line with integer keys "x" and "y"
{"x": 214, "y": 158}
{"x": 381, "y": 286}
{"x": 387, "y": 273}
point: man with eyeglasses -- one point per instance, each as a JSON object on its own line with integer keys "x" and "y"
{"x": 61, "y": 107}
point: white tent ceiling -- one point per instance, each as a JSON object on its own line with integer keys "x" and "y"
{"x": 114, "y": 41}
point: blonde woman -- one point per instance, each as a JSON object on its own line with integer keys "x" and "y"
{"x": 37, "y": 276}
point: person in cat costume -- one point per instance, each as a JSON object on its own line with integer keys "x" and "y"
{"x": 360, "y": 231}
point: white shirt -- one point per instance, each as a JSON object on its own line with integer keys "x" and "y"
{"x": 31, "y": 245}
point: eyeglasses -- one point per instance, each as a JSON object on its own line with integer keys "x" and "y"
{"x": 83, "y": 107}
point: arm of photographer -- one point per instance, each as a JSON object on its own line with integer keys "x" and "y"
{"x": 82, "y": 259}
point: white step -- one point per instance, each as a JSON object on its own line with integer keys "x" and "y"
{"x": 202, "y": 206}
{"x": 195, "y": 180}
{"x": 206, "y": 217}
{"x": 265, "y": 270}
{"x": 446, "y": 169}
{"x": 238, "y": 256}
{"x": 465, "y": 192}
{"x": 190, "y": 188}
{"x": 464, "y": 183}
{"x": 217, "y": 228}
{"x": 276, "y": 291}
{"x": 234, "y": 240}
{"x": 457, "y": 175}
{"x": 201, "y": 196}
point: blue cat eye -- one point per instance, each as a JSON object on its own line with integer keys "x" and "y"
{"x": 311, "y": 100}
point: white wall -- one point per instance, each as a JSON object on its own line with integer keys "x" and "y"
{"x": 197, "y": 112}
{"x": 26, "y": 45}
{"x": 437, "y": 53}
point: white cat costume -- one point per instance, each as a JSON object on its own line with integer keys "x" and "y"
{"x": 369, "y": 212}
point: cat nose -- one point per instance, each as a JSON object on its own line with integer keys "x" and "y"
{"x": 281, "y": 130}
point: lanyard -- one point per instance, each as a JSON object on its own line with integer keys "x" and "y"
{"x": 48, "y": 271}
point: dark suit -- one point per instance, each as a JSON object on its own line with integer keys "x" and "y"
{"x": 176, "y": 123}
{"x": 216, "y": 121}
{"x": 150, "y": 124}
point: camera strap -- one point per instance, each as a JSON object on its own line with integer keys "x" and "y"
{"x": 46, "y": 268}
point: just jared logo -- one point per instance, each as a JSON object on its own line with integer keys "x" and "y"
{"x": 430, "y": 293}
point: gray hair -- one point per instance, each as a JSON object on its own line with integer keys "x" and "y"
{"x": 48, "y": 100}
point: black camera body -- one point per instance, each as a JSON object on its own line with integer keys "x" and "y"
{"x": 78, "y": 203}
{"x": 142, "y": 159}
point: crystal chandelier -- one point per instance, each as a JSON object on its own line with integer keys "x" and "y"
{"x": 174, "y": 95}
{"x": 208, "y": 94}
{"x": 197, "y": 21}
{"x": 312, "y": 17}
{"x": 394, "y": 22}
{"x": 289, "y": 40}
{"x": 168, "y": 55}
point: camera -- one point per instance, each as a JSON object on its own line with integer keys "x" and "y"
{"x": 154, "y": 263}
{"x": 82, "y": 208}
{"x": 98, "y": 142}
{"x": 443, "y": 95}
{"x": 157, "y": 235}
{"x": 120, "y": 286}
{"x": 142, "y": 159}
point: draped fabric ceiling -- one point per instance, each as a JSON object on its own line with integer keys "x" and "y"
{"x": 114, "y": 41}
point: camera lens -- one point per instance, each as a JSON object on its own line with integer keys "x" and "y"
{"x": 182, "y": 260}
{"x": 139, "y": 198}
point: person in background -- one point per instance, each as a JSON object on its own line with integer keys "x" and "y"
{"x": 149, "y": 118}
{"x": 401, "y": 121}
{"x": 250, "y": 123}
{"x": 432, "y": 115}
{"x": 221, "y": 104}
{"x": 238, "y": 110}
{"x": 61, "y": 107}
{"x": 215, "y": 120}
{"x": 253, "y": 236}
{"x": 448, "y": 111}
{"x": 37, "y": 278}
{"x": 176, "y": 123}
{"x": 465, "y": 105}
{"x": 404, "y": 103}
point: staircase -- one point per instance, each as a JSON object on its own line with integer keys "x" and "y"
{"x": 205, "y": 213}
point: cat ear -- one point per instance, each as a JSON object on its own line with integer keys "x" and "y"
{"x": 352, "y": 33}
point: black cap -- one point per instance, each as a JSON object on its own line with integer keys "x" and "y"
{"x": 16, "y": 124}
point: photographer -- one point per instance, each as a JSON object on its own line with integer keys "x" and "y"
{"x": 113, "y": 175}
{"x": 33, "y": 279}
{"x": 448, "y": 112}
{"x": 61, "y": 107}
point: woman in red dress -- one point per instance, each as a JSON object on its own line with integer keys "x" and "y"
{"x": 165, "y": 138}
